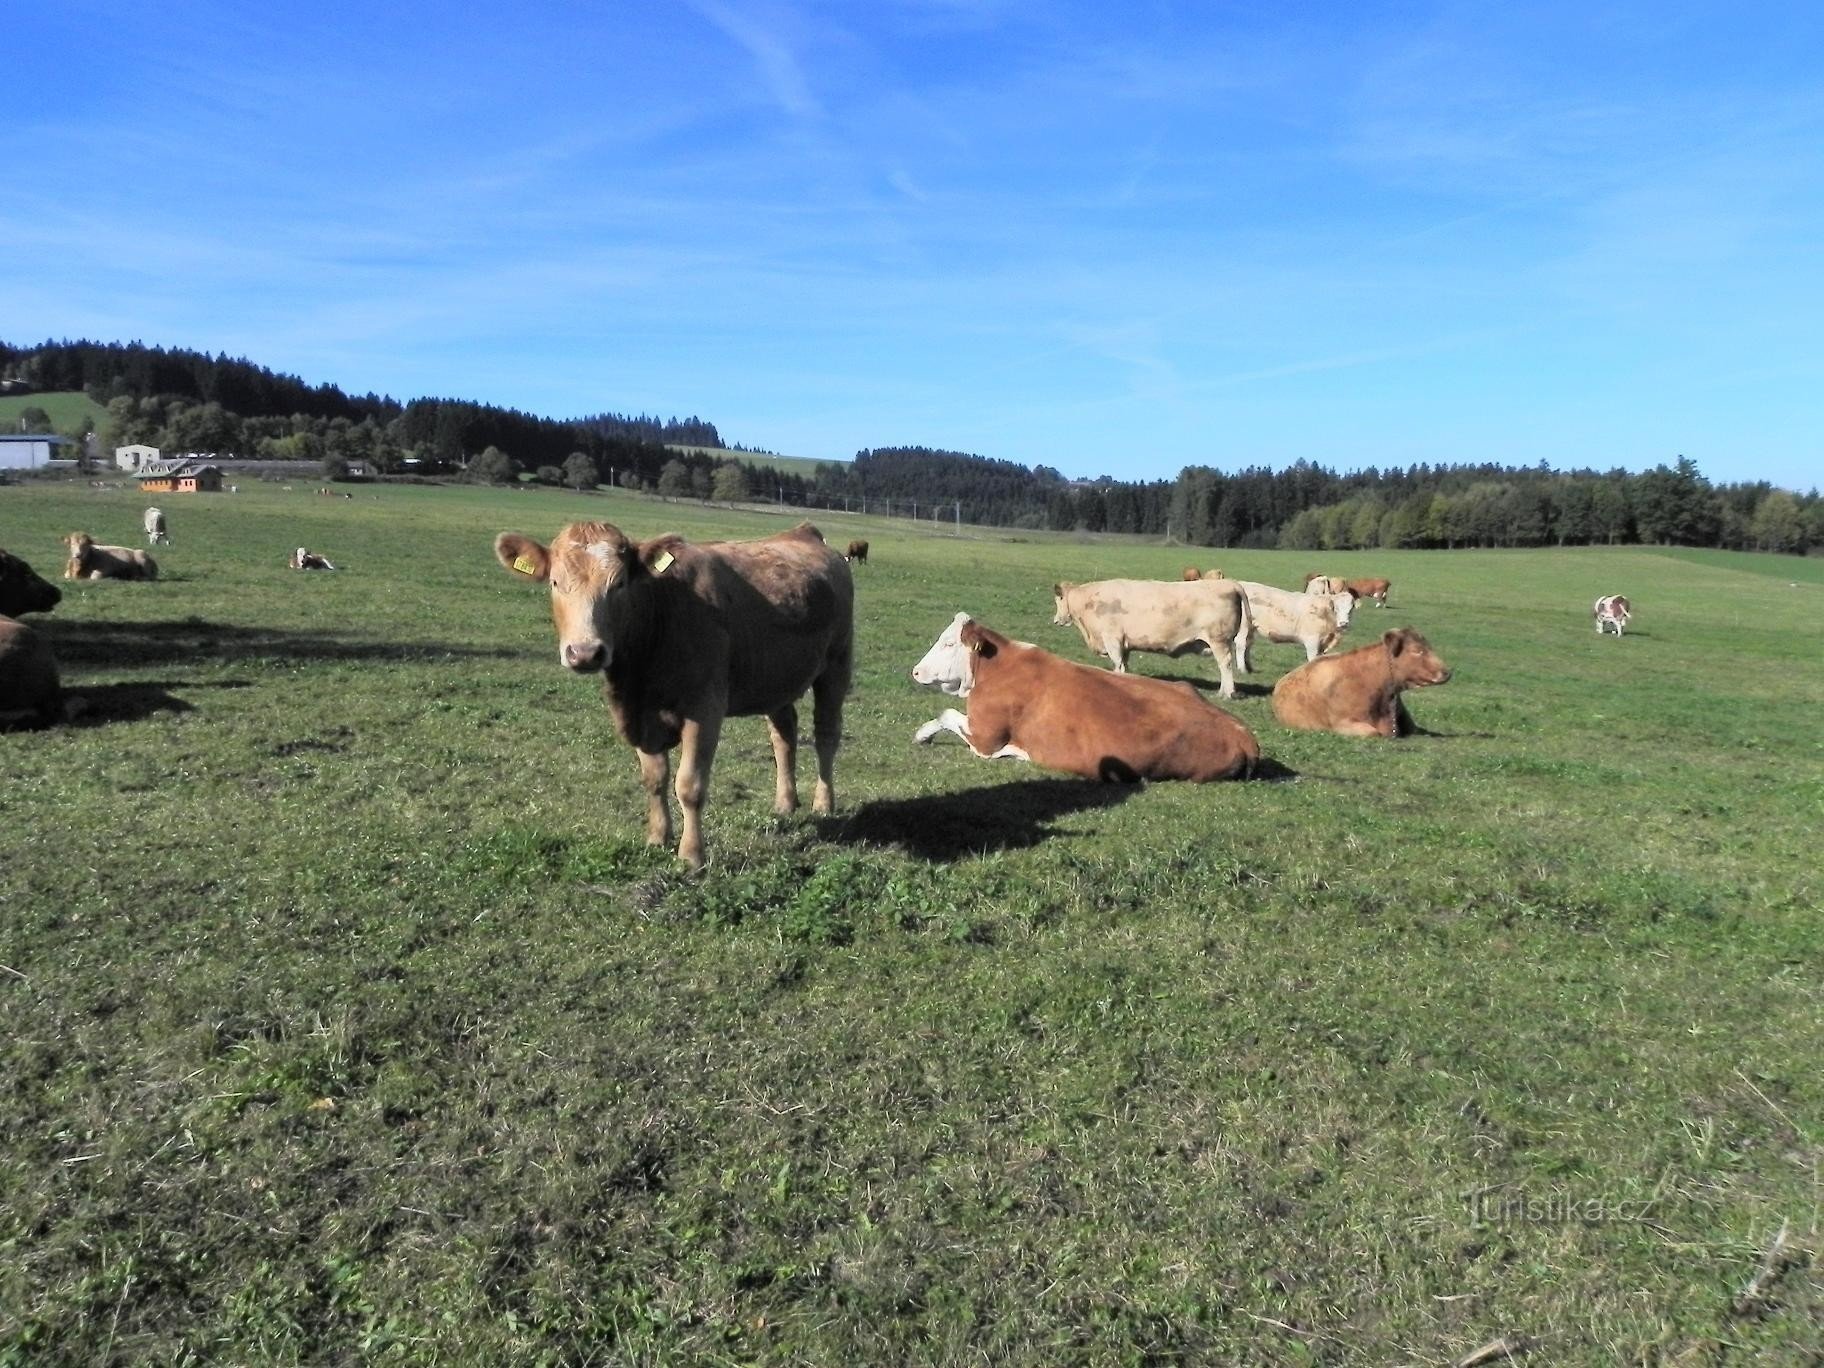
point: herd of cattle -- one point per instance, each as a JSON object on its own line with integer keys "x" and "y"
{"x": 684, "y": 635}
{"x": 31, "y": 692}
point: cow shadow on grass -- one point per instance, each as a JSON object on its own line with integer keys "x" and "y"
{"x": 119, "y": 645}
{"x": 1208, "y": 687}
{"x": 946, "y": 827}
{"x": 99, "y": 705}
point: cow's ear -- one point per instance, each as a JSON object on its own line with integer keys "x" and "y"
{"x": 976, "y": 640}
{"x": 658, "y": 554}
{"x": 1396, "y": 641}
{"x": 522, "y": 556}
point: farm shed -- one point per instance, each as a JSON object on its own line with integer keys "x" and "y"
{"x": 29, "y": 450}
{"x": 183, "y": 477}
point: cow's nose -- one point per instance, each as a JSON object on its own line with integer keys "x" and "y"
{"x": 585, "y": 656}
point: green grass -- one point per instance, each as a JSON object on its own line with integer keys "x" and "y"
{"x": 791, "y": 465}
{"x": 66, "y": 409}
{"x": 349, "y": 1020}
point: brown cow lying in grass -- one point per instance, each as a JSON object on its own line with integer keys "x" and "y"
{"x": 30, "y": 692}
{"x": 88, "y": 560}
{"x": 686, "y": 634}
{"x": 1027, "y": 704}
{"x": 1357, "y": 693}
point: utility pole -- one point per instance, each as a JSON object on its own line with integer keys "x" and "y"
{"x": 959, "y": 517}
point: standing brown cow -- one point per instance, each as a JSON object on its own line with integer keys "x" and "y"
{"x": 684, "y": 635}
{"x": 1357, "y": 693}
{"x": 858, "y": 551}
{"x": 1375, "y": 589}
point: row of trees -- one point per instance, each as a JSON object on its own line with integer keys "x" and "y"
{"x": 190, "y": 401}
{"x": 1672, "y": 505}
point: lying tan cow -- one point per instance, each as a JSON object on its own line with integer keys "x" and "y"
{"x": 1358, "y": 692}
{"x": 1119, "y": 616}
{"x": 1191, "y": 572}
{"x": 91, "y": 561}
{"x": 1028, "y": 704}
{"x": 1313, "y": 620}
{"x": 1375, "y": 589}
{"x": 684, "y": 635}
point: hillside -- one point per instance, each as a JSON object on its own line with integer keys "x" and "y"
{"x": 804, "y": 466}
{"x": 67, "y": 409}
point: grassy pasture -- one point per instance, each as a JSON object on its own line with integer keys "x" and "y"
{"x": 66, "y": 408}
{"x": 790, "y": 465}
{"x": 348, "y": 1019}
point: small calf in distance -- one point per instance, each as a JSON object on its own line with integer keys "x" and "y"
{"x": 1611, "y": 610}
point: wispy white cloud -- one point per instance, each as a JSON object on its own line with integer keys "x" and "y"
{"x": 778, "y": 64}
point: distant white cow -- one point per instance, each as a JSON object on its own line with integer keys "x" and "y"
{"x": 309, "y": 560}
{"x": 1611, "y": 610}
{"x": 155, "y": 528}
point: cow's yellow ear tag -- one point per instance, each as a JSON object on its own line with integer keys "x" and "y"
{"x": 525, "y": 566}
{"x": 663, "y": 562}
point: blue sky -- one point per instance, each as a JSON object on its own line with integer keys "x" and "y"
{"x": 1108, "y": 238}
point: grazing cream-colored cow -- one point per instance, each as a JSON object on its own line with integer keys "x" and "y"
{"x": 1171, "y": 617}
{"x": 684, "y": 635}
{"x": 1312, "y": 620}
{"x": 1027, "y": 704}
{"x": 156, "y": 532}
{"x": 91, "y": 561}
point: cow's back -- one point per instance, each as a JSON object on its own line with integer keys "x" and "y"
{"x": 1160, "y": 615}
{"x": 782, "y": 608}
{"x": 29, "y": 688}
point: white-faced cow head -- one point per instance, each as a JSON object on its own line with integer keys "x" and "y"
{"x": 1060, "y": 602}
{"x": 594, "y": 570}
{"x": 949, "y": 664}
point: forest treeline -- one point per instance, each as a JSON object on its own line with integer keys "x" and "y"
{"x": 190, "y": 401}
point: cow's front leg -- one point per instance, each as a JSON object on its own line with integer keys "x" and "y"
{"x": 949, "y": 720}
{"x": 655, "y": 769}
{"x": 784, "y": 727}
{"x": 695, "y": 757}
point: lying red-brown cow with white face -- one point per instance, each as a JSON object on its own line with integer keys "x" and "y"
{"x": 1357, "y": 693}
{"x": 1028, "y": 704}
{"x": 684, "y": 635}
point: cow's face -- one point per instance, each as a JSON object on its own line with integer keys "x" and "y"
{"x": 78, "y": 544}
{"x": 1060, "y": 616}
{"x": 1415, "y": 664}
{"x": 23, "y": 589}
{"x": 591, "y": 568}
{"x": 1345, "y": 609}
{"x": 949, "y": 664}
